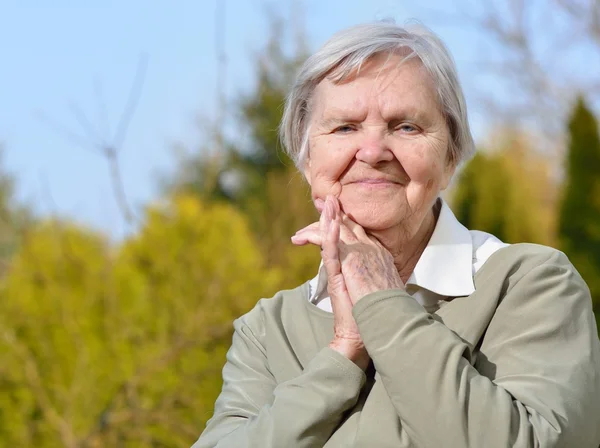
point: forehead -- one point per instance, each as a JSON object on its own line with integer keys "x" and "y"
{"x": 389, "y": 80}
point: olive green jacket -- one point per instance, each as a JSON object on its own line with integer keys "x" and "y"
{"x": 515, "y": 364}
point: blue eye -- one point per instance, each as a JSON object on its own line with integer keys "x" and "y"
{"x": 407, "y": 128}
{"x": 344, "y": 129}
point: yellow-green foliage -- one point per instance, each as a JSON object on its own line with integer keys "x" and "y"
{"x": 285, "y": 208}
{"x": 51, "y": 327}
{"x": 124, "y": 346}
{"x": 508, "y": 192}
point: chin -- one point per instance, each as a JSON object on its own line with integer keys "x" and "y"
{"x": 374, "y": 218}
{"x": 374, "y": 209}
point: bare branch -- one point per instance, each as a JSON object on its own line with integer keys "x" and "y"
{"x": 132, "y": 101}
{"x": 101, "y": 110}
{"x": 525, "y": 36}
{"x": 94, "y": 141}
{"x": 85, "y": 124}
{"x": 117, "y": 183}
{"x": 70, "y": 136}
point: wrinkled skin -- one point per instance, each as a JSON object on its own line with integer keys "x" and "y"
{"x": 378, "y": 160}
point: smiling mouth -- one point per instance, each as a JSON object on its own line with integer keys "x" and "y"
{"x": 375, "y": 182}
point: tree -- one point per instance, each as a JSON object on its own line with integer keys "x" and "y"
{"x": 51, "y": 323}
{"x": 258, "y": 178}
{"x": 579, "y": 216}
{"x": 507, "y": 192}
{"x": 258, "y": 113}
{"x": 518, "y": 46}
{"x": 15, "y": 216}
{"x": 123, "y": 346}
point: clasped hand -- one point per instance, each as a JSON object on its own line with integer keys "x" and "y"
{"x": 357, "y": 264}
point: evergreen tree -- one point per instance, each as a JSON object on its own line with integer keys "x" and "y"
{"x": 579, "y": 218}
{"x": 237, "y": 171}
{"x": 257, "y": 177}
{"x": 508, "y": 193}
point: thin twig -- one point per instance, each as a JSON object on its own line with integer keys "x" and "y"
{"x": 107, "y": 147}
{"x": 132, "y": 101}
{"x": 85, "y": 124}
{"x": 101, "y": 111}
{"x": 70, "y": 136}
{"x": 117, "y": 183}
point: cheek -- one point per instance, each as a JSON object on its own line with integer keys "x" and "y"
{"x": 329, "y": 160}
{"x": 421, "y": 170}
{"x": 423, "y": 163}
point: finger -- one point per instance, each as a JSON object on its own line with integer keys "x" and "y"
{"x": 352, "y": 225}
{"x": 333, "y": 235}
{"x": 355, "y": 228}
{"x": 313, "y": 226}
{"x": 375, "y": 241}
{"x": 310, "y": 236}
{"x": 347, "y": 234}
{"x": 340, "y": 300}
{"x": 326, "y": 216}
{"x": 319, "y": 204}
{"x": 330, "y": 252}
{"x": 335, "y": 202}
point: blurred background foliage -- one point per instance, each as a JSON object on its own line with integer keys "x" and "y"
{"x": 122, "y": 344}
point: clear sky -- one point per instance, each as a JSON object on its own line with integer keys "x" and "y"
{"x": 56, "y": 53}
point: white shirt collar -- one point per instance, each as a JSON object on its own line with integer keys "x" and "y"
{"x": 445, "y": 266}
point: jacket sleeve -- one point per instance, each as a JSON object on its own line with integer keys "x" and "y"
{"x": 254, "y": 411}
{"x": 541, "y": 348}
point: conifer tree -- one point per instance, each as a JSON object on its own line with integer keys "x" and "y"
{"x": 255, "y": 174}
{"x": 579, "y": 216}
{"x": 507, "y": 192}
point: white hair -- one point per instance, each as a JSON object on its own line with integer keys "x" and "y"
{"x": 345, "y": 53}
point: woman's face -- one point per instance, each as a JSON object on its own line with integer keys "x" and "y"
{"x": 379, "y": 143}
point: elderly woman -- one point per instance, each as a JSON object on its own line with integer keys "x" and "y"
{"x": 416, "y": 332}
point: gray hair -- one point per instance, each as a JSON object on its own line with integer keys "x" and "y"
{"x": 347, "y": 51}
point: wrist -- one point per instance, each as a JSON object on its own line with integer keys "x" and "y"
{"x": 353, "y": 350}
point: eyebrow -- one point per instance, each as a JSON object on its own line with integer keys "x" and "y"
{"x": 332, "y": 122}
{"x": 336, "y": 116}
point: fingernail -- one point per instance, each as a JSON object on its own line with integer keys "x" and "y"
{"x": 336, "y": 204}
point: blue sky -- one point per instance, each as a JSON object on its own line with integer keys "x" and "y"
{"x": 56, "y": 53}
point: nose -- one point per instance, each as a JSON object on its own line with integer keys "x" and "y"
{"x": 374, "y": 149}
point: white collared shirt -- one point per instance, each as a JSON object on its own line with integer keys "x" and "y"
{"x": 446, "y": 267}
